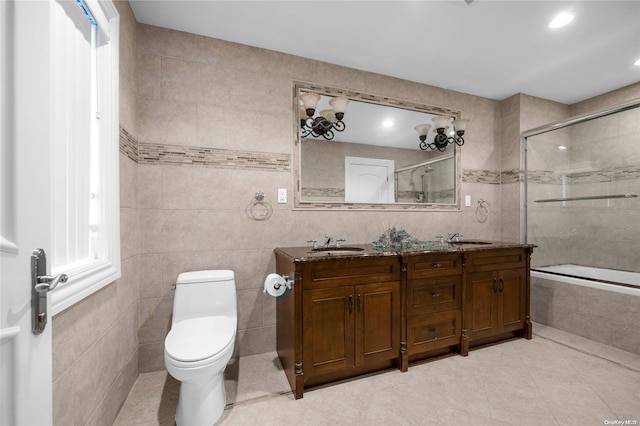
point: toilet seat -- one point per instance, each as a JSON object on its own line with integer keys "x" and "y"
{"x": 199, "y": 341}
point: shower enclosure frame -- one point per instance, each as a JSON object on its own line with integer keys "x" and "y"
{"x": 618, "y": 108}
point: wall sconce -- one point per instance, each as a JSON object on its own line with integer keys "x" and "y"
{"x": 327, "y": 120}
{"x": 441, "y": 139}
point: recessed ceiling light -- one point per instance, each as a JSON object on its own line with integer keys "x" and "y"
{"x": 561, "y": 20}
{"x": 388, "y": 123}
{"x": 637, "y": 63}
{"x": 562, "y": 147}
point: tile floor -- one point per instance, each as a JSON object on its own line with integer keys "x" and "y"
{"x": 555, "y": 379}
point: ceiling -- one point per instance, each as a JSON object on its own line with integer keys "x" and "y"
{"x": 493, "y": 49}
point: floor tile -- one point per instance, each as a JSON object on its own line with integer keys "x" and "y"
{"x": 554, "y": 379}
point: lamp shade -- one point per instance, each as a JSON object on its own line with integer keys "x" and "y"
{"x": 339, "y": 104}
{"x": 309, "y": 100}
{"x": 461, "y": 124}
{"x": 423, "y": 129}
{"x": 440, "y": 122}
{"x": 328, "y": 115}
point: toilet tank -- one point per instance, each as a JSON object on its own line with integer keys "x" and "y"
{"x": 205, "y": 293}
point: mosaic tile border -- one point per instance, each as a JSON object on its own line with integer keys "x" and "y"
{"x": 480, "y": 176}
{"x": 148, "y": 153}
{"x": 128, "y": 145}
{"x": 512, "y": 176}
{"x": 212, "y": 157}
{"x": 592, "y": 176}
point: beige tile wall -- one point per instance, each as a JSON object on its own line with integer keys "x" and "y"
{"x": 95, "y": 342}
{"x": 200, "y": 92}
{"x": 604, "y": 316}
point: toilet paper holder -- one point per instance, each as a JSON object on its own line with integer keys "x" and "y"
{"x": 277, "y": 285}
{"x": 288, "y": 282}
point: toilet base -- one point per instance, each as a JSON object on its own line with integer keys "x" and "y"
{"x": 201, "y": 402}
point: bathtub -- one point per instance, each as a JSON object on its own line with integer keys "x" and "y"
{"x": 599, "y": 304}
{"x": 606, "y": 279}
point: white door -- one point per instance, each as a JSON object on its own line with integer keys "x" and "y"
{"x": 368, "y": 180}
{"x": 25, "y": 358}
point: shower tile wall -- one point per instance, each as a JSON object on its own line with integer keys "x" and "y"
{"x": 205, "y": 94}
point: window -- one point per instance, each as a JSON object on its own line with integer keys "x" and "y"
{"x": 85, "y": 213}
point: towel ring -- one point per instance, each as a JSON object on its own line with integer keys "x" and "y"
{"x": 260, "y": 208}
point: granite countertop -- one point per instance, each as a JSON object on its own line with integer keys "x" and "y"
{"x": 306, "y": 253}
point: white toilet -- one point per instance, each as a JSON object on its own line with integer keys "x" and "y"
{"x": 200, "y": 343}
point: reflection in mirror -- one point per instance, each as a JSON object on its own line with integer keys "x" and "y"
{"x": 431, "y": 181}
{"x": 372, "y": 153}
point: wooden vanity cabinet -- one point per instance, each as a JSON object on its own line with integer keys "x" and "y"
{"x": 350, "y": 315}
{"x": 434, "y": 302}
{"x": 497, "y": 296}
{"x": 350, "y": 320}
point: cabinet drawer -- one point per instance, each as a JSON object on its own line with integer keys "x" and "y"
{"x": 491, "y": 260}
{"x": 428, "y": 332}
{"x": 432, "y": 295}
{"x": 338, "y": 273}
{"x": 433, "y": 265}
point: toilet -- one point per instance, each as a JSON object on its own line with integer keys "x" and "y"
{"x": 200, "y": 343}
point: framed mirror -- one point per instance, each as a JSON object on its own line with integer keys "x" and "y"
{"x": 361, "y": 151}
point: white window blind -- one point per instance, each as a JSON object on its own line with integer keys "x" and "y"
{"x": 74, "y": 76}
{"x": 85, "y": 213}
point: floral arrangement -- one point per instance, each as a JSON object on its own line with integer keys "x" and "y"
{"x": 392, "y": 239}
{"x": 398, "y": 239}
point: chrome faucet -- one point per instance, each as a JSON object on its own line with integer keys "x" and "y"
{"x": 327, "y": 242}
{"x": 455, "y": 237}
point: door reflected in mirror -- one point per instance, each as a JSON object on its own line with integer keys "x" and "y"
{"x": 370, "y": 156}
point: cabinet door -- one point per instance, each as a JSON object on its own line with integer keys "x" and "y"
{"x": 377, "y": 322}
{"x": 328, "y": 318}
{"x": 513, "y": 299}
{"x": 483, "y": 312}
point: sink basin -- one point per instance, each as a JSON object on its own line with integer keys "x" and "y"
{"x": 481, "y": 243}
{"x": 337, "y": 250}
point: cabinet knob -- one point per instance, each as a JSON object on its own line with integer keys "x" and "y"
{"x": 437, "y": 265}
{"x": 435, "y": 295}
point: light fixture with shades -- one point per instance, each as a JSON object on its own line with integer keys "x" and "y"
{"x": 441, "y": 140}
{"x": 326, "y": 121}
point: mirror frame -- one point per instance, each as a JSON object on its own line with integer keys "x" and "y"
{"x": 300, "y": 204}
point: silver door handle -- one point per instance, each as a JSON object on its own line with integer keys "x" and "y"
{"x": 47, "y": 283}
{"x": 41, "y": 284}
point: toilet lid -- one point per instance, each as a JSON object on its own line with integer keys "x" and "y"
{"x": 199, "y": 338}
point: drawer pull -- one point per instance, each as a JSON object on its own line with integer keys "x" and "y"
{"x": 437, "y": 265}
{"x": 435, "y": 295}
{"x": 436, "y": 332}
